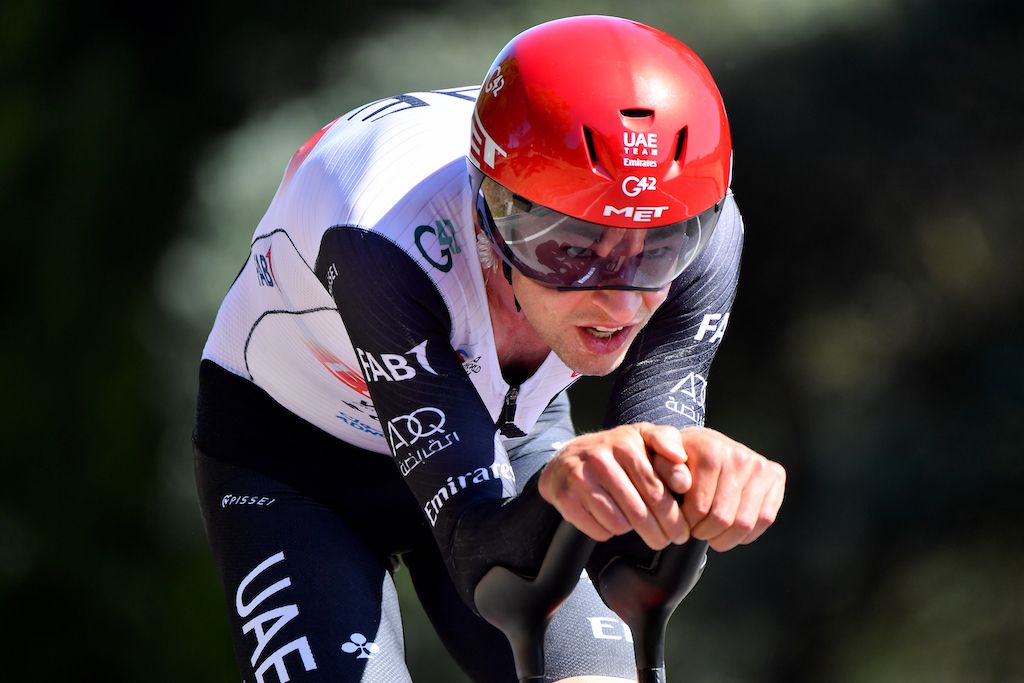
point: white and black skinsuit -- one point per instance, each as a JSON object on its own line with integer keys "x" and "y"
{"x": 352, "y": 405}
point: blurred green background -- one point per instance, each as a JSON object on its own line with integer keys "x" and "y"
{"x": 875, "y": 347}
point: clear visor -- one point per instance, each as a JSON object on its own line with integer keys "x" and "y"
{"x": 567, "y": 253}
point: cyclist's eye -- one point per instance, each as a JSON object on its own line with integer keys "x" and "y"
{"x": 657, "y": 252}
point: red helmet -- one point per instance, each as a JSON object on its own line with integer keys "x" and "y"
{"x": 590, "y": 123}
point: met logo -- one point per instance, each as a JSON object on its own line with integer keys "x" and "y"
{"x": 639, "y": 214}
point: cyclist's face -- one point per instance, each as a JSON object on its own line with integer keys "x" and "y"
{"x": 590, "y": 330}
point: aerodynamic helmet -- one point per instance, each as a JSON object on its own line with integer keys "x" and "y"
{"x": 600, "y": 154}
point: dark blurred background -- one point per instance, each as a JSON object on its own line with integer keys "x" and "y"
{"x": 874, "y": 348}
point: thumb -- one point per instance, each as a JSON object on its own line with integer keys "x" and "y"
{"x": 675, "y": 475}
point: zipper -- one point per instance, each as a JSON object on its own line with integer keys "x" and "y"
{"x": 506, "y": 420}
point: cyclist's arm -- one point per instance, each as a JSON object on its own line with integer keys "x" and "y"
{"x": 607, "y": 483}
{"x": 664, "y": 376}
{"x": 732, "y": 493}
{"x": 441, "y": 435}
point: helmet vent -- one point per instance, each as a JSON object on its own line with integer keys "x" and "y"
{"x": 595, "y": 163}
{"x": 680, "y": 145}
{"x": 637, "y": 113}
{"x": 637, "y": 119}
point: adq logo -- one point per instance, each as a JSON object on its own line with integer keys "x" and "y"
{"x": 406, "y": 430}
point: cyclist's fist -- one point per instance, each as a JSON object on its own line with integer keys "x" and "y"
{"x": 605, "y": 483}
{"x": 735, "y": 493}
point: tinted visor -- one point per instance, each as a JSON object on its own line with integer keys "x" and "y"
{"x": 567, "y": 253}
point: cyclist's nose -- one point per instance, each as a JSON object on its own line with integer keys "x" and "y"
{"x": 619, "y": 305}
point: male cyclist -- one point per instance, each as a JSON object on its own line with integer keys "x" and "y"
{"x": 387, "y": 375}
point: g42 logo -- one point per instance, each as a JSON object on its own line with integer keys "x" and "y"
{"x": 445, "y": 235}
{"x": 632, "y": 186}
{"x": 496, "y": 83}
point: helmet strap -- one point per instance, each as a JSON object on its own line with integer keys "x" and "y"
{"x": 507, "y": 270}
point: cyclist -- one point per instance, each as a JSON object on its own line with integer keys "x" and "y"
{"x": 386, "y": 377}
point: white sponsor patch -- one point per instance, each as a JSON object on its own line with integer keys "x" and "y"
{"x": 357, "y": 642}
{"x": 406, "y": 430}
{"x": 496, "y": 472}
{"x": 265, "y": 625}
{"x": 609, "y": 628}
{"x": 712, "y": 322}
{"x": 393, "y": 367}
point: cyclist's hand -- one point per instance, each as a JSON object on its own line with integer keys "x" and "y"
{"x": 735, "y": 493}
{"x": 605, "y": 484}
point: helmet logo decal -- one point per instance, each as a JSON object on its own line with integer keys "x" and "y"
{"x": 639, "y": 214}
{"x": 483, "y": 145}
{"x": 645, "y": 144}
{"x": 496, "y": 83}
{"x": 632, "y": 186}
{"x": 639, "y": 145}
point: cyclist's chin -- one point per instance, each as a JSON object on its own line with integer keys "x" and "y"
{"x": 593, "y": 367}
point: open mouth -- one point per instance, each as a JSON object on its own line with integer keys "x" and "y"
{"x": 602, "y": 332}
{"x": 602, "y": 340}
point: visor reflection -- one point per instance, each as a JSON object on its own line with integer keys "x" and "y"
{"x": 567, "y": 253}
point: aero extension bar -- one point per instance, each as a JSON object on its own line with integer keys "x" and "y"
{"x": 644, "y": 596}
{"x": 522, "y": 608}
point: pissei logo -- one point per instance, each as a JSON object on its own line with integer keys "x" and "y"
{"x": 444, "y": 235}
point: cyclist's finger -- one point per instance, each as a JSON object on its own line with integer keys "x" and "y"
{"x": 697, "y": 502}
{"x": 748, "y": 510}
{"x": 632, "y": 504}
{"x": 770, "y": 506}
{"x": 633, "y": 457}
{"x": 676, "y": 477}
{"x": 583, "y": 520}
{"x": 571, "y": 507}
{"x": 674, "y": 522}
{"x": 663, "y": 440}
{"x": 662, "y": 506}
{"x": 722, "y": 513}
{"x": 605, "y": 510}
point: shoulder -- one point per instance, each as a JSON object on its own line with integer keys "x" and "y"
{"x": 376, "y": 160}
{"x": 406, "y": 136}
